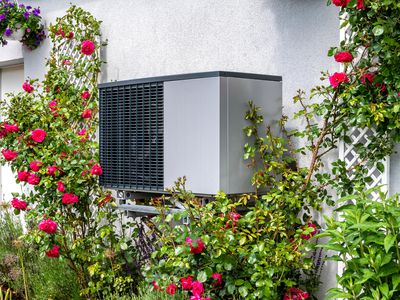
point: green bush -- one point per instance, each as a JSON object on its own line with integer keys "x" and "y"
{"x": 365, "y": 235}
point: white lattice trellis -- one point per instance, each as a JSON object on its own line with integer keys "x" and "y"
{"x": 349, "y": 154}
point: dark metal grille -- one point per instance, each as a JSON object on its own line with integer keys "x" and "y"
{"x": 132, "y": 136}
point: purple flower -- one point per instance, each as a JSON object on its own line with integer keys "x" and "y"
{"x": 8, "y": 32}
{"x": 36, "y": 11}
{"x": 28, "y": 30}
{"x": 26, "y": 15}
{"x": 2, "y": 17}
{"x": 21, "y": 6}
{"x": 29, "y": 7}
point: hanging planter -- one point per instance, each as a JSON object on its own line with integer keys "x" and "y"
{"x": 20, "y": 23}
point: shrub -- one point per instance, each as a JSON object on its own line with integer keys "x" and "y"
{"x": 364, "y": 233}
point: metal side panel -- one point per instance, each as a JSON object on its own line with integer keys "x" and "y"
{"x": 268, "y": 96}
{"x": 191, "y": 133}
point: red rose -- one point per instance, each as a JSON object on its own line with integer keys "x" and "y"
{"x": 186, "y": 282}
{"x": 369, "y": 77}
{"x": 155, "y": 285}
{"x": 197, "y": 288}
{"x": 87, "y": 47}
{"x": 360, "y": 4}
{"x": 19, "y": 204}
{"x": 11, "y": 128}
{"x": 197, "y": 247}
{"x": 85, "y": 95}
{"x": 48, "y": 226}
{"x": 35, "y": 165}
{"x": 67, "y": 62}
{"x": 60, "y": 32}
{"x": 69, "y": 198}
{"x": 53, "y": 252}
{"x": 9, "y": 154}
{"x": 70, "y": 35}
{"x": 313, "y": 232}
{"x": 96, "y": 170}
{"x": 38, "y": 135}
{"x": 218, "y": 279}
{"x": 27, "y": 87}
{"x": 342, "y": 3}
{"x": 33, "y": 179}
{"x": 171, "y": 289}
{"x": 51, "y": 170}
{"x": 295, "y": 294}
{"x": 23, "y": 176}
{"x": 344, "y": 57}
{"x": 87, "y": 113}
{"x": 337, "y": 78}
{"x": 60, "y": 186}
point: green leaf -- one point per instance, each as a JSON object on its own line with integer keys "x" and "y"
{"x": 389, "y": 241}
{"x": 378, "y": 30}
{"x": 202, "y": 276}
{"x": 243, "y": 291}
{"x": 179, "y": 250}
{"x": 380, "y": 166}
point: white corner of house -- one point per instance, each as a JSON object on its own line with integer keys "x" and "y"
{"x": 11, "y": 54}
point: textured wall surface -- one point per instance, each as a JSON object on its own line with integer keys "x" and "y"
{"x": 160, "y": 37}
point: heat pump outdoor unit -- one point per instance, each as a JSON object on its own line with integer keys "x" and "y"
{"x": 154, "y": 130}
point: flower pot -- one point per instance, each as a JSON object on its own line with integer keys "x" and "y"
{"x": 16, "y": 35}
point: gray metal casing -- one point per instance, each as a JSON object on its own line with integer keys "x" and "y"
{"x": 203, "y": 130}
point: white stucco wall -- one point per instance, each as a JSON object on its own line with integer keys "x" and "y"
{"x": 161, "y": 37}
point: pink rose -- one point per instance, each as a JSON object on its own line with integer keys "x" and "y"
{"x": 69, "y": 198}
{"x": 295, "y": 294}
{"x": 11, "y": 128}
{"x": 313, "y": 232}
{"x": 195, "y": 247}
{"x": 35, "y": 165}
{"x": 9, "y": 154}
{"x": 60, "y": 186}
{"x": 70, "y": 35}
{"x": 87, "y": 113}
{"x": 186, "y": 283}
{"x": 85, "y": 95}
{"x": 344, "y": 57}
{"x": 360, "y": 4}
{"x": 369, "y": 77}
{"x": 96, "y": 170}
{"x": 82, "y": 132}
{"x": 33, "y": 179}
{"x": 171, "y": 289}
{"x": 342, "y": 3}
{"x": 155, "y": 285}
{"x": 23, "y": 176}
{"x": 19, "y": 204}
{"x": 53, "y": 105}
{"x": 197, "y": 288}
{"x": 218, "y": 279}
{"x": 51, "y": 170}
{"x": 48, "y": 226}
{"x": 38, "y": 135}
{"x": 337, "y": 78}
{"x": 53, "y": 252}
{"x": 27, "y": 87}
{"x": 87, "y": 47}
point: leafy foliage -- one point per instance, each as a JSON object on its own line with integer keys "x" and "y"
{"x": 364, "y": 233}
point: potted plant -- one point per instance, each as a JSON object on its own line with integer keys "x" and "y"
{"x": 21, "y": 23}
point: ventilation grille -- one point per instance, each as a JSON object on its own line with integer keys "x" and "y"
{"x": 132, "y": 136}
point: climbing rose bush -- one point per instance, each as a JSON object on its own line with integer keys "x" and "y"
{"x": 48, "y": 137}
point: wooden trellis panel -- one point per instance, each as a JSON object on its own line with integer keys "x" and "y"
{"x": 349, "y": 154}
